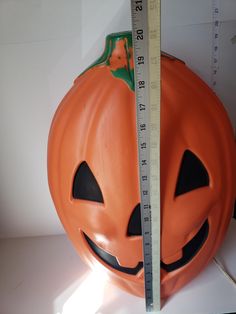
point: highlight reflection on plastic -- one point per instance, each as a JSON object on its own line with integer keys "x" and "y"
{"x": 93, "y": 169}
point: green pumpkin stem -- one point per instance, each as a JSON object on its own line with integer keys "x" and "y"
{"x": 124, "y": 72}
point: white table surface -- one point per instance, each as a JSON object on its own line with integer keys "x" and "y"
{"x": 44, "y": 275}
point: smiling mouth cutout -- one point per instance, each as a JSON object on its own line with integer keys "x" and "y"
{"x": 111, "y": 260}
{"x": 189, "y": 251}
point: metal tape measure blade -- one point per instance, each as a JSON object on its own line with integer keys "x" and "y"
{"x": 146, "y": 40}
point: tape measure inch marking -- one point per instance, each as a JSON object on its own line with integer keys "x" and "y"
{"x": 146, "y": 42}
{"x": 215, "y": 42}
{"x": 154, "y": 17}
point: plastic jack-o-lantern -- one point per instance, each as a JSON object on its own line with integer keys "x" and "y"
{"x": 93, "y": 169}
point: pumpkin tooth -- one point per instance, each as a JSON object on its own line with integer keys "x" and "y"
{"x": 171, "y": 259}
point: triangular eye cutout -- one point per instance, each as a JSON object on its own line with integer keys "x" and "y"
{"x": 192, "y": 174}
{"x": 85, "y": 185}
{"x": 134, "y": 226}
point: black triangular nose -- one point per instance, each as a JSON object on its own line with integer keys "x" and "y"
{"x": 134, "y": 226}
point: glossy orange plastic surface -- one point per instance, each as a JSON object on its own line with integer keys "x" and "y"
{"x": 96, "y": 123}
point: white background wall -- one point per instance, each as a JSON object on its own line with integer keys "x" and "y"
{"x": 44, "y": 45}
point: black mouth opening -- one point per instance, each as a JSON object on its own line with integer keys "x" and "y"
{"x": 190, "y": 249}
{"x": 111, "y": 260}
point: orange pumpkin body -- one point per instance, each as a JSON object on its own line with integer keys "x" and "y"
{"x": 93, "y": 170}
